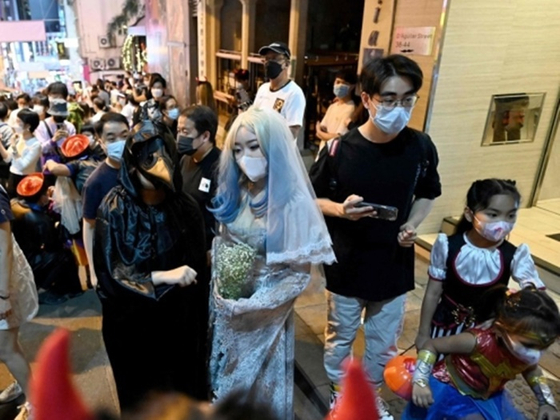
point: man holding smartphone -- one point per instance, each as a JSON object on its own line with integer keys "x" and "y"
{"x": 375, "y": 185}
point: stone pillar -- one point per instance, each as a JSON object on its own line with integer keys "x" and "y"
{"x": 209, "y": 38}
{"x": 247, "y": 30}
{"x": 297, "y": 37}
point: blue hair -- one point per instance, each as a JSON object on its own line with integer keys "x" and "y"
{"x": 268, "y": 126}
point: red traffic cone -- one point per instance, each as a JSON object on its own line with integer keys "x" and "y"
{"x": 357, "y": 401}
{"x": 53, "y": 395}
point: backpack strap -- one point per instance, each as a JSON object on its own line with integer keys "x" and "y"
{"x": 49, "y": 131}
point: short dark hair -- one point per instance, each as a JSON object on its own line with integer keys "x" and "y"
{"x": 348, "y": 75}
{"x": 11, "y": 104}
{"x": 23, "y": 96}
{"x": 29, "y": 117}
{"x": 109, "y": 117}
{"x": 57, "y": 88}
{"x": 88, "y": 128}
{"x": 156, "y": 77}
{"x": 377, "y": 71}
{"x": 163, "y": 101}
{"x": 3, "y": 110}
{"x": 204, "y": 119}
{"x": 41, "y": 99}
{"x": 99, "y": 102}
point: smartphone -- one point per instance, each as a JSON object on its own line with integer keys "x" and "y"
{"x": 389, "y": 213}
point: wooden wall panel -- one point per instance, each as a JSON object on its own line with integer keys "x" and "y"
{"x": 490, "y": 47}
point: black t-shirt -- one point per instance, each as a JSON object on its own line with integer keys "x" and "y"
{"x": 371, "y": 265}
{"x": 100, "y": 182}
{"x": 80, "y": 171}
{"x": 200, "y": 181}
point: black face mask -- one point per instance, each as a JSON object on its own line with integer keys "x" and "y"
{"x": 185, "y": 145}
{"x": 58, "y": 119}
{"x": 272, "y": 69}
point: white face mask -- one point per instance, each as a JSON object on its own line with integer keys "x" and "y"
{"x": 39, "y": 109}
{"x": 19, "y": 129}
{"x": 391, "y": 121}
{"x": 525, "y": 354}
{"x": 157, "y": 93}
{"x": 493, "y": 231}
{"x": 115, "y": 150}
{"x": 254, "y": 167}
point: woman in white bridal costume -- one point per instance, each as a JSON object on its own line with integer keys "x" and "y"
{"x": 271, "y": 232}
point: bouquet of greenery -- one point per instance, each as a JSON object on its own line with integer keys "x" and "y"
{"x": 233, "y": 263}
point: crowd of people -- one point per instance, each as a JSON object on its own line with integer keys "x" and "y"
{"x": 198, "y": 254}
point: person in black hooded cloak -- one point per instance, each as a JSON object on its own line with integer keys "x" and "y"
{"x": 149, "y": 253}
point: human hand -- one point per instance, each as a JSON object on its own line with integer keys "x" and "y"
{"x": 422, "y": 396}
{"x": 92, "y": 277}
{"x": 60, "y": 134}
{"x": 49, "y": 165}
{"x": 5, "y": 309}
{"x": 548, "y": 412}
{"x": 407, "y": 235}
{"x": 348, "y": 209}
{"x": 421, "y": 340}
{"x": 182, "y": 276}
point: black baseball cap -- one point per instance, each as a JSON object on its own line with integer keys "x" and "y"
{"x": 277, "y": 47}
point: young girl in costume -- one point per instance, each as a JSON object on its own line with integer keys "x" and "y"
{"x": 469, "y": 382}
{"x": 474, "y": 259}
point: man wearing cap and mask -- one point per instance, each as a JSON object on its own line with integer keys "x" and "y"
{"x": 281, "y": 93}
{"x": 38, "y": 235}
{"x": 149, "y": 258}
{"x": 52, "y": 131}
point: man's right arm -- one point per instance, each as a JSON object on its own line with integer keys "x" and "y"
{"x": 89, "y": 229}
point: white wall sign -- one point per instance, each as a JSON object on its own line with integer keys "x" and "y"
{"x": 417, "y": 41}
{"x": 201, "y": 28}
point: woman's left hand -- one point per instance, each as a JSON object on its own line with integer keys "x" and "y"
{"x": 548, "y": 412}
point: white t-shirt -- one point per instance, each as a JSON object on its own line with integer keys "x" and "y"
{"x": 288, "y": 101}
{"x": 337, "y": 116}
{"x": 43, "y": 135}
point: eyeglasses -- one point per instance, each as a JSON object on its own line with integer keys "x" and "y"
{"x": 406, "y": 102}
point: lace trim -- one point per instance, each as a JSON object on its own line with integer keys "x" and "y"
{"x": 318, "y": 253}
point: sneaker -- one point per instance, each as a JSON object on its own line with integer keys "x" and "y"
{"x": 383, "y": 408}
{"x": 12, "y": 392}
{"x": 25, "y": 412}
{"x": 335, "y": 395}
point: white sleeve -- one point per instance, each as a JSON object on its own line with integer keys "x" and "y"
{"x": 70, "y": 127}
{"x": 294, "y": 108}
{"x": 257, "y": 101}
{"x": 41, "y": 134}
{"x": 437, "y": 269}
{"x": 28, "y": 159}
{"x": 523, "y": 269}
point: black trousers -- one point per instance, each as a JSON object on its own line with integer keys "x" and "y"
{"x": 157, "y": 345}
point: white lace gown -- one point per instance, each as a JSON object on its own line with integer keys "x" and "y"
{"x": 23, "y": 293}
{"x": 253, "y": 337}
